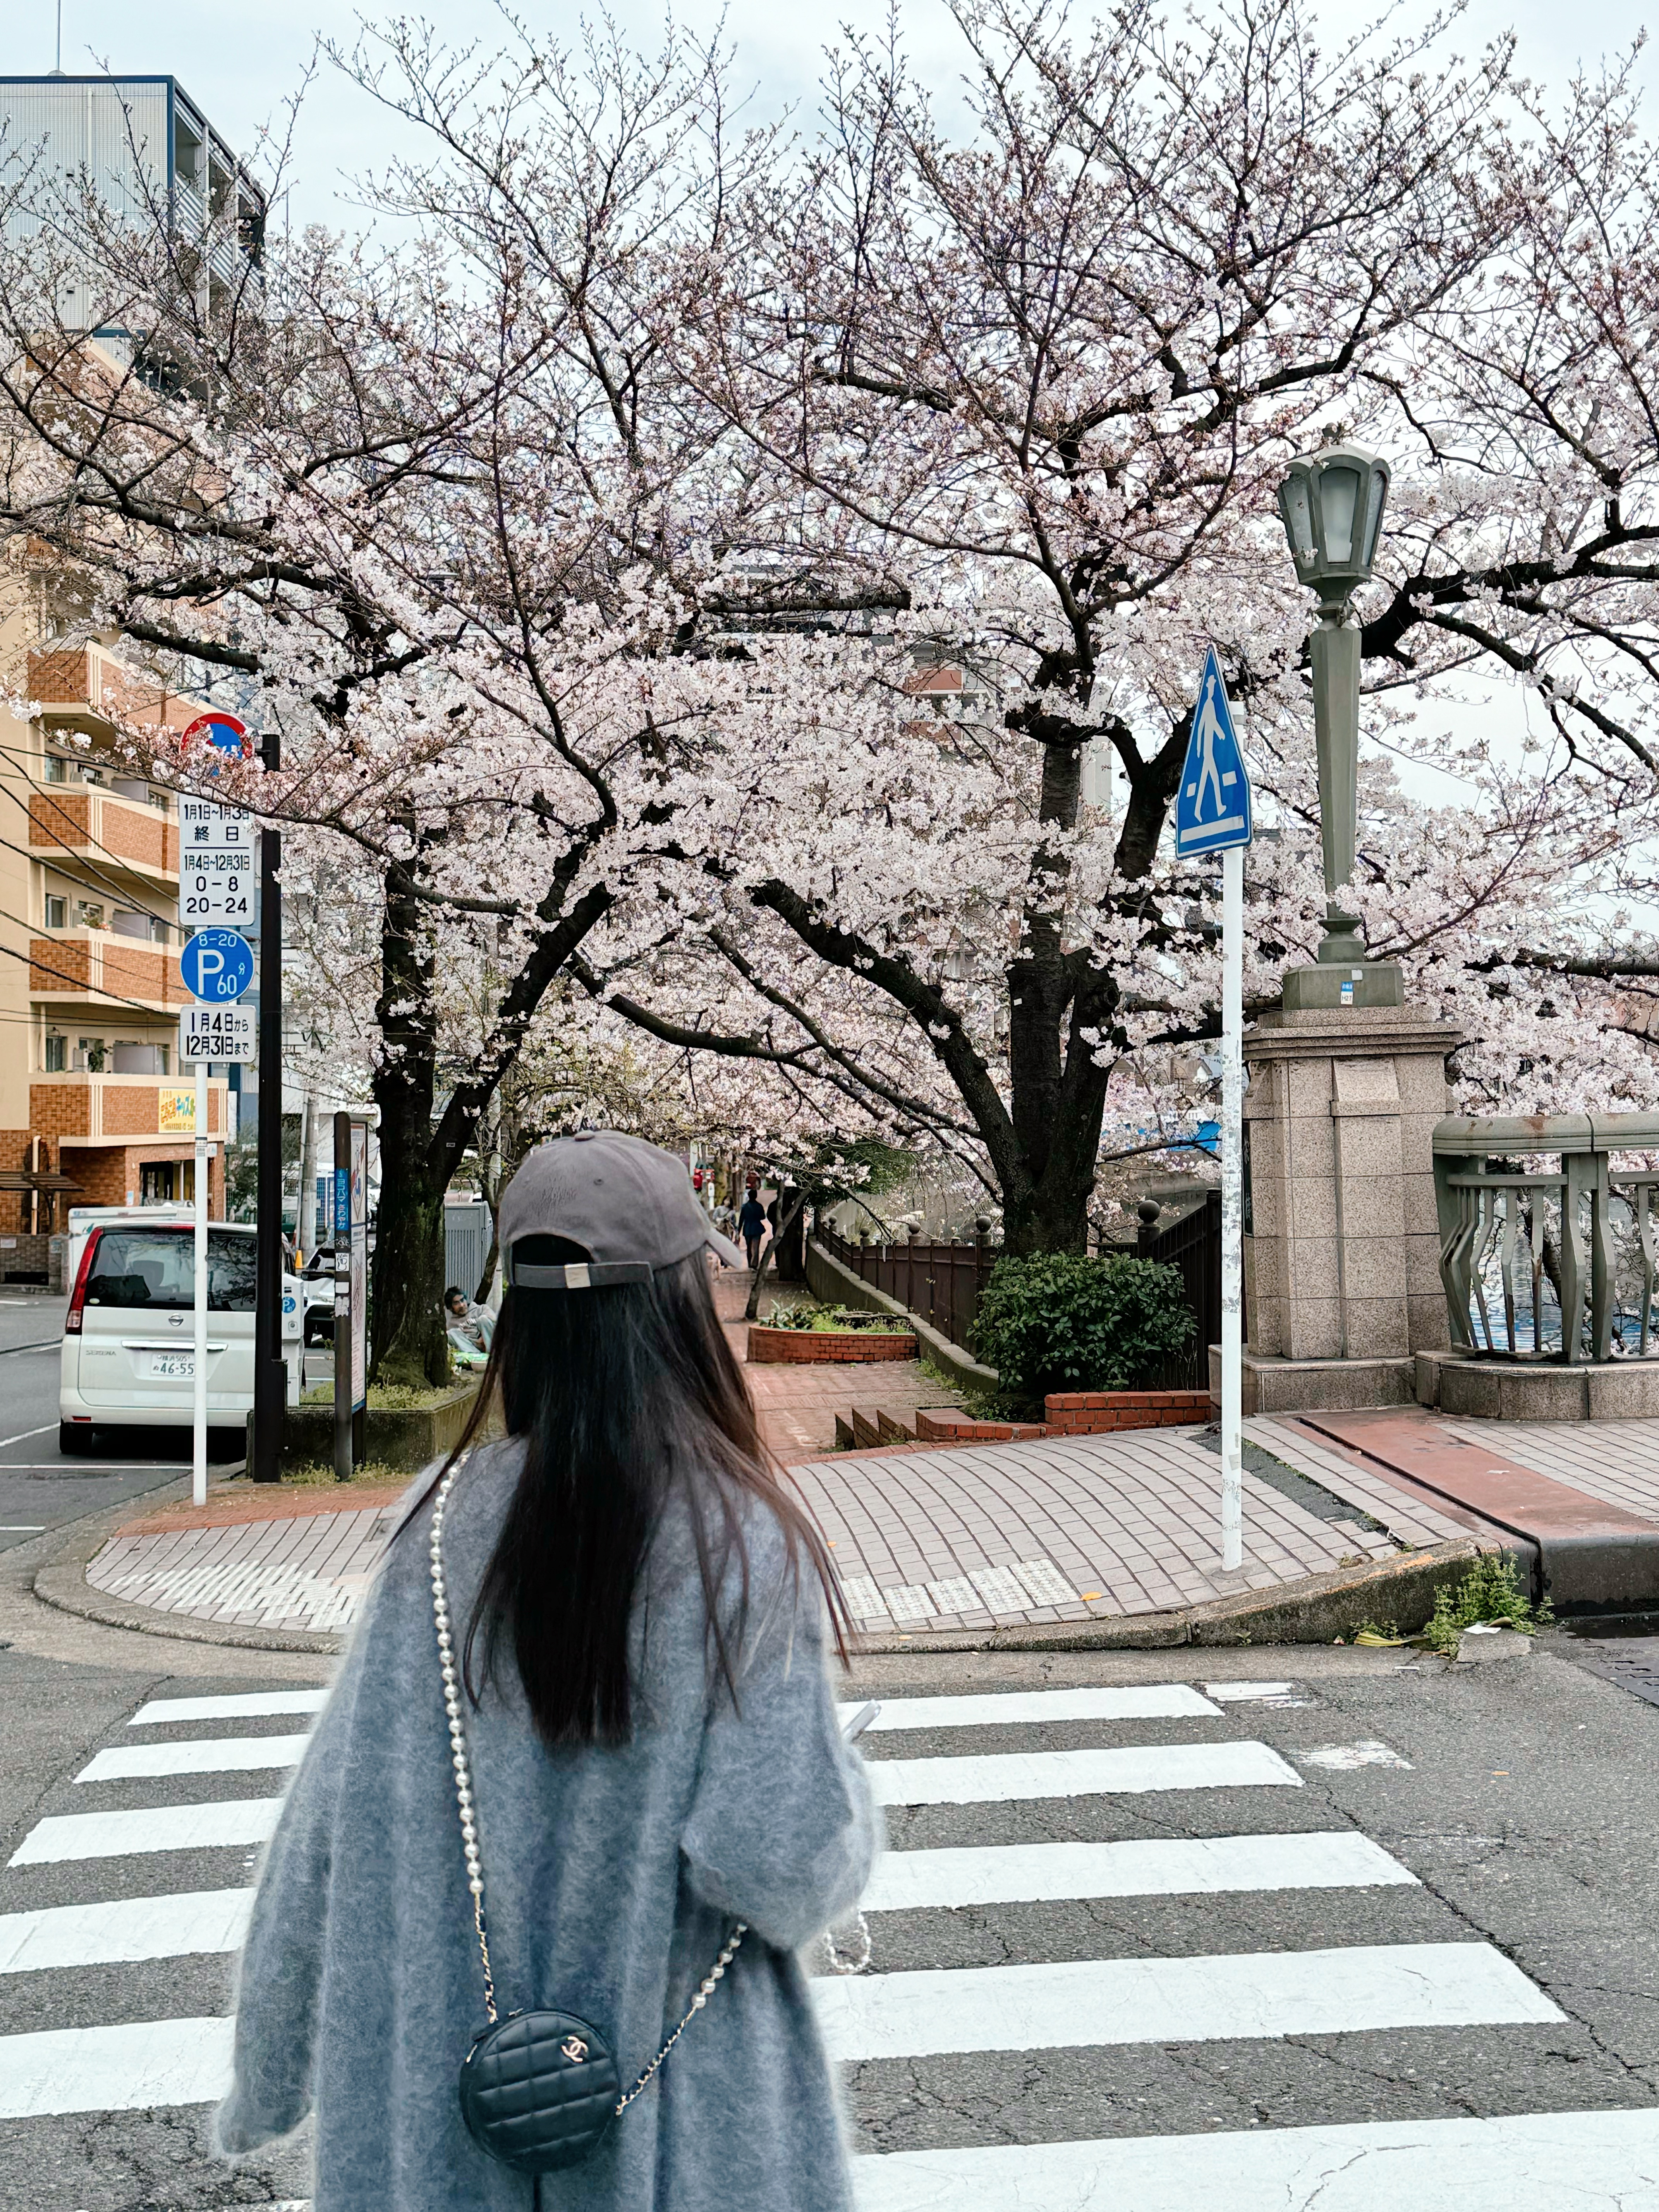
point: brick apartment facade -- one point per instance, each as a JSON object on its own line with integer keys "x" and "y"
{"x": 93, "y": 1107}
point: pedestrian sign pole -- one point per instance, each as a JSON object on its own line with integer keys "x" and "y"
{"x": 1213, "y": 815}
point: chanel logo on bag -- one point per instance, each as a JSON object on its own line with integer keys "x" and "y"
{"x": 573, "y": 2049}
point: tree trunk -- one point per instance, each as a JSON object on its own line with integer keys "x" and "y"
{"x": 409, "y": 1345}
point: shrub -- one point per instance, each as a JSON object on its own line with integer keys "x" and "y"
{"x": 1057, "y": 1322}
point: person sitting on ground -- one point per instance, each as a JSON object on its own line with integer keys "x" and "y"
{"x": 472, "y": 1326}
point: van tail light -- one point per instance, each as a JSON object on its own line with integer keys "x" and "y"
{"x": 78, "y": 1295}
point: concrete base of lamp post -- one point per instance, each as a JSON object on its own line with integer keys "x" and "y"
{"x": 1272, "y": 1385}
{"x": 1333, "y": 986}
{"x": 1342, "y": 1237}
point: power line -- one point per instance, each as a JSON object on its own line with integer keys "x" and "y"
{"x": 115, "y": 889}
{"x": 80, "y": 982}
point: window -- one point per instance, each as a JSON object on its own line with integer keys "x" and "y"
{"x": 57, "y": 1055}
{"x": 157, "y": 1268}
{"x": 88, "y": 915}
{"x": 90, "y": 1054}
{"x": 56, "y": 769}
{"x": 56, "y": 912}
{"x": 158, "y": 930}
{"x": 160, "y": 798}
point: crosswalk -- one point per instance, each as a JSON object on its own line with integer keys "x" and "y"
{"x": 1076, "y": 1891}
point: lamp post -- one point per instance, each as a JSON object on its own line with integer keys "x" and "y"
{"x": 1332, "y": 503}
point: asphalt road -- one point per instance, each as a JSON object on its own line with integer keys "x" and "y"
{"x": 1518, "y": 1803}
{"x": 1522, "y": 1799}
{"x": 40, "y": 1488}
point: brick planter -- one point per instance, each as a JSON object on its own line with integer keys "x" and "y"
{"x": 1097, "y": 1413}
{"x": 804, "y": 1348}
{"x": 407, "y": 1439}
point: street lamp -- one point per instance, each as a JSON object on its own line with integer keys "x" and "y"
{"x": 1332, "y": 503}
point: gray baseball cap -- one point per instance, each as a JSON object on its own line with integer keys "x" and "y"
{"x": 628, "y": 1204}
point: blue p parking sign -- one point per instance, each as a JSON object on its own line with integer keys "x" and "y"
{"x": 217, "y": 965}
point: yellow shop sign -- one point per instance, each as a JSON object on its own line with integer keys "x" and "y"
{"x": 178, "y": 1116}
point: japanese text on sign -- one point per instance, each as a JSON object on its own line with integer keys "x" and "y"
{"x": 215, "y": 1033}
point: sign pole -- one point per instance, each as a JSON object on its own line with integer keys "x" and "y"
{"x": 344, "y": 1335}
{"x": 1215, "y": 813}
{"x": 270, "y": 1379}
{"x": 198, "y": 1415}
{"x": 1232, "y": 1204}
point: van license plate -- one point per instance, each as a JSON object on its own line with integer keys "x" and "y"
{"x": 175, "y": 1366}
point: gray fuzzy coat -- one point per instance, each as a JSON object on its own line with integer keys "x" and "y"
{"x": 612, "y": 1877}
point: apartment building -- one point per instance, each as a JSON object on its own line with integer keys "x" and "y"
{"x": 141, "y": 143}
{"x": 94, "y": 1107}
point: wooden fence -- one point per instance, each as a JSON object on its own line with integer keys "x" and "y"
{"x": 1193, "y": 1243}
{"x": 940, "y": 1283}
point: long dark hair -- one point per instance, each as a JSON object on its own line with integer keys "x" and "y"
{"x": 624, "y": 1397}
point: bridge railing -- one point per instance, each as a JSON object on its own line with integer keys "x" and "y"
{"x": 1548, "y": 1250}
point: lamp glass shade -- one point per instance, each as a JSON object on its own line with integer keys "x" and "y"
{"x": 1373, "y": 529}
{"x": 1339, "y": 496}
{"x": 1298, "y": 515}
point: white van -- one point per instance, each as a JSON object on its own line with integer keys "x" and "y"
{"x": 128, "y": 1355}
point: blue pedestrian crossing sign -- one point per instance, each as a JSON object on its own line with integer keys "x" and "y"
{"x": 1212, "y": 806}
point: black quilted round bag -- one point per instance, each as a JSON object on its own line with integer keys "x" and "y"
{"x": 537, "y": 2089}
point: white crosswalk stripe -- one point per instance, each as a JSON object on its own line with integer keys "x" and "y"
{"x": 156, "y": 1828}
{"x": 1609, "y": 2160}
{"x": 1011, "y": 1873}
{"x": 114, "y": 2070}
{"x": 1158, "y": 1702}
{"x": 140, "y": 1762}
{"x": 125, "y": 1930}
{"x": 1140, "y": 1767}
{"x": 243, "y": 1705}
{"x": 918, "y": 2014}
{"x": 1111, "y": 2001}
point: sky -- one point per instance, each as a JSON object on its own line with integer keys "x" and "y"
{"x": 239, "y": 59}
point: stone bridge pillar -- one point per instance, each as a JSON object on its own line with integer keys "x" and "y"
{"x": 1341, "y": 1247}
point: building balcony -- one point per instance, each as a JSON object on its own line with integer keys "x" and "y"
{"x": 97, "y": 968}
{"x": 83, "y": 687}
{"x": 82, "y": 1110}
{"x": 84, "y": 822}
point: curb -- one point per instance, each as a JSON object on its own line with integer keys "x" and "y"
{"x": 61, "y": 1583}
{"x": 1316, "y": 1609}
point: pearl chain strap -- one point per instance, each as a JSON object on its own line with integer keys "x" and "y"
{"x": 468, "y": 1810}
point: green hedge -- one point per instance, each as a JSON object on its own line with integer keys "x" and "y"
{"x": 1057, "y": 1322}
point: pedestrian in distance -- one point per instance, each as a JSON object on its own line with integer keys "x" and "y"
{"x": 751, "y": 1226}
{"x": 525, "y": 1935}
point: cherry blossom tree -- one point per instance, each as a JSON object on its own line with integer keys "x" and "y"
{"x": 1044, "y": 377}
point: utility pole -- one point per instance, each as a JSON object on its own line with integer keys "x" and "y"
{"x": 269, "y": 1376}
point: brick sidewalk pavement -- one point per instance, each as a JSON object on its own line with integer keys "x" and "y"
{"x": 798, "y": 1405}
{"x": 967, "y": 1539}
